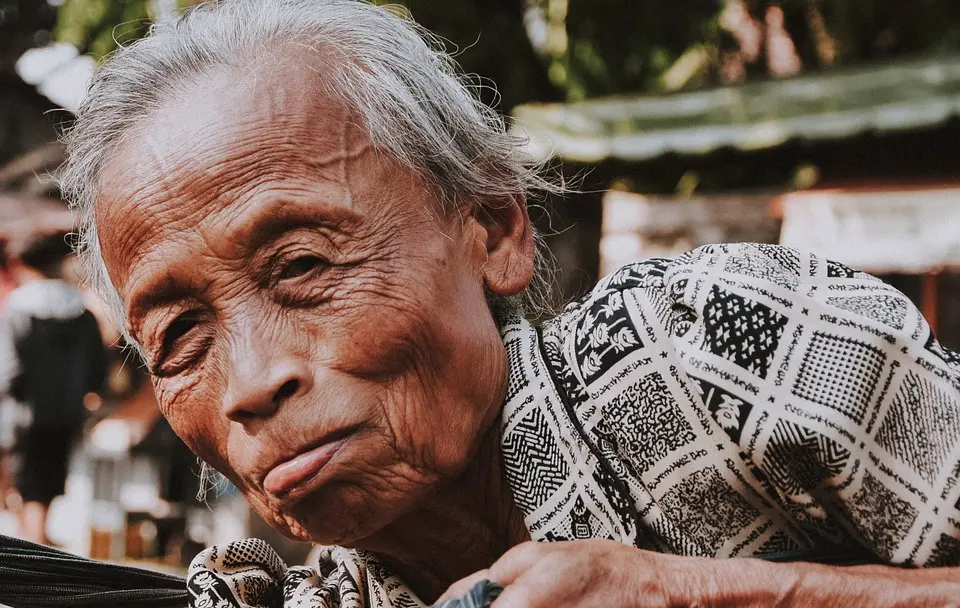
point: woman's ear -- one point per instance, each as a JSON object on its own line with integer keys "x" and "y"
{"x": 509, "y": 244}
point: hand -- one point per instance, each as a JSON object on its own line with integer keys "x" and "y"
{"x": 588, "y": 573}
{"x": 606, "y": 574}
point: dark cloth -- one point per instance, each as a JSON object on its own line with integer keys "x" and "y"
{"x": 482, "y": 595}
{"x": 61, "y": 360}
{"x": 33, "y": 575}
{"x": 44, "y": 455}
{"x": 53, "y": 356}
{"x": 57, "y": 349}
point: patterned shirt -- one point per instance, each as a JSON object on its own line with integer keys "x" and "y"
{"x": 740, "y": 400}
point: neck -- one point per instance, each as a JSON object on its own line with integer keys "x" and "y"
{"x": 462, "y": 528}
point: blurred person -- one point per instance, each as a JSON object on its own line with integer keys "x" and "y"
{"x": 7, "y": 281}
{"x": 54, "y": 357}
{"x": 10, "y": 410}
{"x": 318, "y": 239}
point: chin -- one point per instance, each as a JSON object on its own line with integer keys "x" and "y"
{"x": 343, "y": 515}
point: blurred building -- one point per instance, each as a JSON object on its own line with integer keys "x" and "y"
{"x": 862, "y": 165}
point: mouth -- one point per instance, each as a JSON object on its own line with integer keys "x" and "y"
{"x": 302, "y": 468}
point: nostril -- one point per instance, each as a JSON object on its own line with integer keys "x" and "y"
{"x": 289, "y": 388}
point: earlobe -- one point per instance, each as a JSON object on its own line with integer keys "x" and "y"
{"x": 509, "y": 247}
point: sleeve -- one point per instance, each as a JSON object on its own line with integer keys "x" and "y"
{"x": 834, "y": 388}
{"x": 9, "y": 364}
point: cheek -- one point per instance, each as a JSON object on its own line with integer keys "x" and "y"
{"x": 189, "y": 405}
{"x": 383, "y": 325}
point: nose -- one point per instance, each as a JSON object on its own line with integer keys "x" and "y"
{"x": 261, "y": 382}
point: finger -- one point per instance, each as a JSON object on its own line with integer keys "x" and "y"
{"x": 525, "y": 592}
{"x": 463, "y": 586}
{"x": 516, "y": 562}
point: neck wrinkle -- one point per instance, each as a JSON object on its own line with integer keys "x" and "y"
{"x": 463, "y": 528}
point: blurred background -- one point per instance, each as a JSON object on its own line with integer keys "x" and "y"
{"x": 832, "y": 125}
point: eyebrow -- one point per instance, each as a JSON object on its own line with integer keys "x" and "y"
{"x": 261, "y": 225}
{"x": 268, "y": 221}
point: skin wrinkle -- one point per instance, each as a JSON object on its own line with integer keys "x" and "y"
{"x": 275, "y": 144}
{"x": 228, "y": 249}
{"x": 390, "y": 336}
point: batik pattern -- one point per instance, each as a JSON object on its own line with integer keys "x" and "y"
{"x": 754, "y": 399}
{"x": 249, "y": 574}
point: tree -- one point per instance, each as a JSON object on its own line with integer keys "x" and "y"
{"x": 96, "y": 26}
{"x": 544, "y": 50}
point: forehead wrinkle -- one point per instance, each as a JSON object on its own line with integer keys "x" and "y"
{"x": 280, "y": 101}
{"x": 165, "y": 267}
{"x": 213, "y": 163}
{"x": 286, "y": 208}
{"x": 213, "y": 171}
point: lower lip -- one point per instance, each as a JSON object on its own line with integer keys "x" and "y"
{"x": 292, "y": 473}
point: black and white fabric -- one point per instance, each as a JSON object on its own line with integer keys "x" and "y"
{"x": 740, "y": 400}
{"x": 249, "y": 574}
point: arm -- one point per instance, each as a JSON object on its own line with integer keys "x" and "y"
{"x": 860, "y": 427}
{"x": 608, "y": 573}
{"x": 822, "y": 386}
{"x": 757, "y": 583}
{"x": 9, "y": 367}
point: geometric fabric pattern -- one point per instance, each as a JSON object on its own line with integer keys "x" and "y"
{"x": 799, "y": 459}
{"x": 771, "y": 401}
{"x": 645, "y": 423}
{"x": 720, "y": 508}
{"x": 742, "y": 331}
{"x": 534, "y": 461}
{"x": 839, "y": 373}
{"x": 890, "y": 310}
{"x": 922, "y": 427}
{"x": 882, "y": 517}
{"x": 605, "y": 336}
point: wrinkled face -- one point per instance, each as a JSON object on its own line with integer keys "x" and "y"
{"x": 317, "y": 330}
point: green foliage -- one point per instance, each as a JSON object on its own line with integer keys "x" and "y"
{"x": 95, "y": 26}
{"x": 620, "y": 46}
{"x": 602, "y": 47}
{"x": 488, "y": 38}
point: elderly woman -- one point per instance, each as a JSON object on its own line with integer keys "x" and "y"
{"x": 319, "y": 240}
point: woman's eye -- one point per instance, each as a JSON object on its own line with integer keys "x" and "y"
{"x": 183, "y": 343}
{"x": 177, "y": 330}
{"x": 299, "y": 267}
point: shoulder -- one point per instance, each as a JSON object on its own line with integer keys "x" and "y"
{"x": 723, "y": 298}
{"x": 667, "y": 287}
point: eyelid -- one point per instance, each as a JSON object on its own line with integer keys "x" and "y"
{"x": 188, "y": 353}
{"x": 285, "y": 255}
{"x": 180, "y": 361}
{"x": 157, "y": 328}
{"x": 155, "y": 324}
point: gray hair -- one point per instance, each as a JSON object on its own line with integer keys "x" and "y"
{"x": 408, "y": 92}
